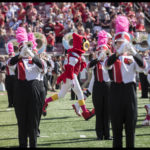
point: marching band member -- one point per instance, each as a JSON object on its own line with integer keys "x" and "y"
{"x": 10, "y": 75}
{"x": 41, "y": 86}
{"x": 27, "y": 96}
{"x": 123, "y": 99}
{"x": 143, "y": 77}
{"x": 101, "y": 87}
{"x": 69, "y": 77}
{"x": 146, "y": 121}
{"x": 88, "y": 91}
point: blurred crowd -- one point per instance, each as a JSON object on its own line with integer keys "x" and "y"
{"x": 55, "y": 19}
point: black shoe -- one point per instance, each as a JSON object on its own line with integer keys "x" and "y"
{"x": 10, "y": 106}
{"x": 144, "y": 97}
{"x": 108, "y": 138}
{"x": 99, "y": 138}
{"x": 38, "y": 134}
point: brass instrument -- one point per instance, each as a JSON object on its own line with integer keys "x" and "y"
{"x": 67, "y": 41}
{"x": 41, "y": 42}
{"x": 100, "y": 49}
{"x": 142, "y": 41}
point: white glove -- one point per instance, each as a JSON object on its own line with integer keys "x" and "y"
{"x": 101, "y": 55}
{"x": 72, "y": 83}
{"x": 122, "y": 48}
{"x": 23, "y": 52}
{"x": 29, "y": 52}
{"x": 131, "y": 49}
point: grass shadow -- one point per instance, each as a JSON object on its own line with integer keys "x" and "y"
{"x": 67, "y": 141}
{"x": 57, "y": 118}
{"x": 8, "y": 139}
{"x": 7, "y": 125}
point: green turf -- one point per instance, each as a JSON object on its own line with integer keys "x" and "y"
{"x": 62, "y": 128}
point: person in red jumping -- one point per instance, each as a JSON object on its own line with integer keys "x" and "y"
{"x": 69, "y": 77}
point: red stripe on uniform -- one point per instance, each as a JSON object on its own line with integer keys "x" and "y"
{"x": 118, "y": 75}
{"x": 21, "y": 70}
{"x": 100, "y": 73}
{"x": 7, "y": 70}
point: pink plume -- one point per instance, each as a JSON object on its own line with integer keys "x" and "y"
{"x": 32, "y": 39}
{"x": 102, "y": 38}
{"x": 122, "y": 24}
{"x": 21, "y": 35}
{"x": 10, "y": 48}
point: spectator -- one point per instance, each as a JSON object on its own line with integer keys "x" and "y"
{"x": 140, "y": 20}
{"x": 59, "y": 15}
{"x": 31, "y": 15}
{"x": 69, "y": 26}
{"x": 128, "y": 7}
{"x": 2, "y": 41}
{"x": 89, "y": 24}
{"x": 107, "y": 5}
{"x": 77, "y": 16}
{"x": 50, "y": 15}
{"x": 50, "y": 41}
{"x": 133, "y": 21}
{"x": 96, "y": 17}
{"x": 56, "y": 71}
{"x": 87, "y": 14}
{"x": 103, "y": 12}
{"x": 68, "y": 14}
{"x": 21, "y": 13}
{"x": 38, "y": 26}
{"x": 92, "y": 6}
{"x": 10, "y": 35}
{"x": 14, "y": 23}
{"x": 88, "y": 34}
{"x": 112, "y": 12}
{"x": 10, "y": 13}
{"x": 58, "y": 28}
{"x": 4, "y": 9}
{"x": 106, "y": 22}
{"x": 49, "y": 26}
{"x": 2, "y": 19}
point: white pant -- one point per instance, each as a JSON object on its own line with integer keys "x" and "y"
{"x": 66, "y": 86}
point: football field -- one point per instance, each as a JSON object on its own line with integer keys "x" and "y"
{"x": 62, "y": 128}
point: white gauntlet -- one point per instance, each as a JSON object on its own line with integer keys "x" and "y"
{"x": 131, "y": 49}
{"x": 101, "y": 55}
{"x": 23, "y": 52}
{"x": 122, "y": 48}
{"x": 29, "y": 52}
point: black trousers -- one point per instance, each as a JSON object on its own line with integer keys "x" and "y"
{"x": 42, "y": 99}
{"x": 123, "y": 110}
{"x": 100, "y": 97}
{"x": 144, "y": 85}
{"x": 27, "y": 103}
{"x": 10, "y": 88}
